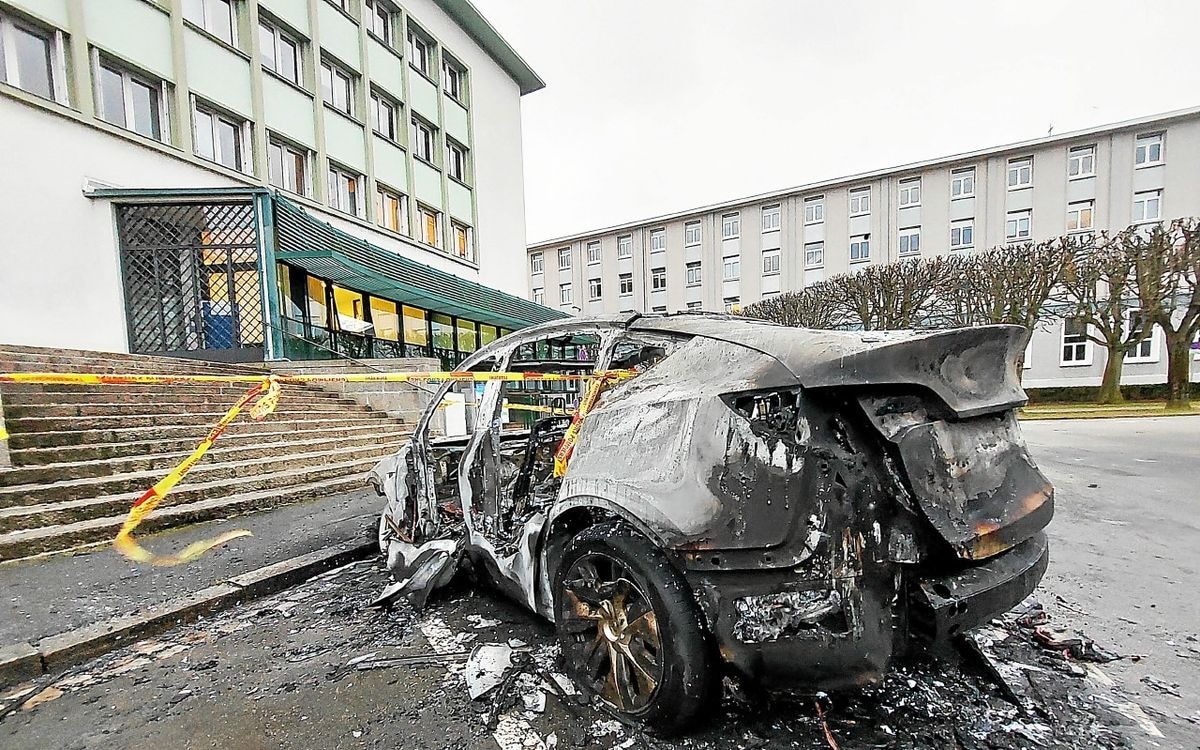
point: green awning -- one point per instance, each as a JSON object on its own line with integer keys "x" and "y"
{"x": 327, "y": 252}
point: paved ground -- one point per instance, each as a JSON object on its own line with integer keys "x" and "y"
{"x": 283, "y": 672}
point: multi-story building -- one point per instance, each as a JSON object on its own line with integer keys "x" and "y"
{"x": 742, "y": 251}
{"x": 250, "y": 178}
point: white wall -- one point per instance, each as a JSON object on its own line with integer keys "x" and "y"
{"x": 60, "y": 282}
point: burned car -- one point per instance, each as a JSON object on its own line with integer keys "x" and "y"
{"x": 795, "y": 507}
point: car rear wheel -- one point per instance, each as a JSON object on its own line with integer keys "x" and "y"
{"x": 630, "y": 631}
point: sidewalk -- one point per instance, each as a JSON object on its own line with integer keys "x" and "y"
{"x": 51, "y": 595}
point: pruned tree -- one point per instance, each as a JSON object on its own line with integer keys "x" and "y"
{"x": 892, "y": 296}
{"x": 811, "y": 307}
{"x": 1100, "y": 287}
{"x": 1168, "y": 266}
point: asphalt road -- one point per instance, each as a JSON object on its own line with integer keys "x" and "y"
{"x": 313, "y": 668}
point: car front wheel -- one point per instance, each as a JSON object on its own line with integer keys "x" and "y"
{"x": 630, "y": 630}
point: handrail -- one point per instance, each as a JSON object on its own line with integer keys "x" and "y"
{"x": 340, "y": 355}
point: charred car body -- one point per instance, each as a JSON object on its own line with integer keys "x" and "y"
{"x": 795, "y": 506}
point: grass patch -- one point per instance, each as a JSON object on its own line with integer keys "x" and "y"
{"x": 1067, "y": 410}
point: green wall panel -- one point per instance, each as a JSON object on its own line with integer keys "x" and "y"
{"x": 289, "y": 111}
{"x": 427, "y": 183}
{"x": 344, "y": 140}
{"x": 423, "y": 96}
{"x": 456, "y": 121}
{"x": 389, "y": 164}
{"x": 339, "y": 35}
{"x": 52, "y": 11}
{"x": 215, "y": 73}
{"x": 134, "y": 31}
{"x": 292, "y": 12}
{"x": 460, "y": 201}
{"x": 387, "y": 70}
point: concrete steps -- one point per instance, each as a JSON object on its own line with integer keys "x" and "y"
{"x": 82, "y": 454}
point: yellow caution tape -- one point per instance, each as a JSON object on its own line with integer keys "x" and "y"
{"x": 3, "y": 434}
{"x": 586, "y": 404}
{"x": 80, "y": 378}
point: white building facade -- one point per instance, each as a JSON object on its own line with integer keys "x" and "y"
{"x": 396, "y": 125}
{"x": 730, "y": 254}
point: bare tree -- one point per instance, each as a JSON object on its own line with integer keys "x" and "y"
{"x": 1101, "y": 291}
{"x": 1168, "y": 265}
{"x": 811, "y": 307}
{"x": 892, "y": 296}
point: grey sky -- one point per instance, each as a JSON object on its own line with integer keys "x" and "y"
{"x": 661, "y": 105}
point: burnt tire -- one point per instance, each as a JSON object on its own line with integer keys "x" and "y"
{"x": 630, "y": 631}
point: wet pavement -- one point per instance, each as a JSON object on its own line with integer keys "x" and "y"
{"x": 313, "y": 667}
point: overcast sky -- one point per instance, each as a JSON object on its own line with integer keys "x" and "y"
{"x": 662, "y": 105}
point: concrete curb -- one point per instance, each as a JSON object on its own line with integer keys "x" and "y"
{"x": 22, "y": 661}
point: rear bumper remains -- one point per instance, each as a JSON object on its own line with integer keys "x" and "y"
{"x": 941, "y": 607}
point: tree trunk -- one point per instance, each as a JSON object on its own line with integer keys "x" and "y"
{"x": 1110, "y": 386}
{"x": 1179, "y": 361}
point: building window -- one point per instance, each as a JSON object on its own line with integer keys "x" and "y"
{"x": 564, "y": 294}
{"x": 732, "y": 269}
{"x": 658, "y": 240}
{"x": 696, "y": 305}
{"x": 1147, "y": 206}
{"x": 537, "y": 262}
{"x": 220, "y": 138}
{"x": 860, "y": 248}
{"x": 391, "y": 210}
{"x": 456, "y": 160}
{"x": 594, "y": 289}
{"x": 31, "y": 59}
{"x": 383, "y": 115}
{"x": 287, "y": 167}
{"x": 771, "y": 217}
{"x": 1148, "y": 150}
{"x": 1017, "y": 225}
{"x": 625, "y": 246}
{"x": 910, "y": 192}
{"x": 1075, "y": 345}
{"x": 464, "y": 241}
{"x": 860, "y": 201}
{"x": 1020, "y": 172}
{"x": 564, "y": 259}
{"x": 422, "y": 140}
{"x": 1145, "y": 350}
{"x": 381, "y": 21}
{"x": 431, "y": 225}
{"x": 962, "y": 234}
{"x": 691, "y": 233}
{"x": 539, "y": 295}
{"x": 693, "y": 273}
{"x": 625, "y": 282}
{"x": 130, "y": 100}
{"x": 658, "y": 279}
{"x": 962, "y": 183}
{"x": 420, "y": 53}
{"x": 454, "y": 81}
{"x": 814, "y": 210}
{"x": 1079, "y": 216}
{"x": 280, "y": 52}
{"x": 344, "y": 189}
{"x": 217, "y": 17}
{"x": 814, "y": 254}
{"x": 731, "y": 226}
{"x": 770, "y": 262}
{"x": 337, "y": 87}
{"x": 1081, "y": 161}
{"x": 593, "y": 253}
{"x": 732, "y": 305}
{"x": 910, "y": 241}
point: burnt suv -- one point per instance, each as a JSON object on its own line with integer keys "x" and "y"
{"x": 793, "y": 506}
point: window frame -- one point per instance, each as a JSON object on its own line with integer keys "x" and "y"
{"x": 1144, "y": 197}
{"x": 457, "y": 161}
{"x": 734, "y": 220}
{"x": 1017, "y": 166}
{"x": 814, "y": 210}
{"x": 537, "y": 262}
{"x": 769, "y": 268}
{"x": 467, "y": 233}
{"x": 279, "y": 37}
{"x": 772, "y": 218}
{"x": 595, "y": 289}
{"x": 732, "y": 263}
{"x": 422, "y": 148}
{"x": 1078, "y": 208}
{"x": 687, "y": 228}
{"x": 861, "y": 242}
{"x": 625, "y": 289}
{"x": 860, "y": 201}
{"x": 454, "y": 71}
{"x": 337, "y": 72}
{"x": 377, "y": 10}
{"x": 419, "y": 41}
{"x": 538, "y": 295}
{"x": 128, "y": 77}
{"x": 1150, "y": 344}
{"x": 658, "y": 237}
{"x": 56, "y": 69}
{"x": 1017, "y": 216}
{"x": 658, "y": 279}
{"x": 959, "y": 177}
{"x": 241, "y": 128}
{"x": 382, "y": 194}
{"x": 1077, "y": 155}
{"x": 908, "y": 192}
{"x": 817, "y": 247}
{"x": 289, "y": 150}
{"x": 1078, "y": 357}
{"x": 1157, "y": 138}
{"x": 913, "y": 247}
{"x": 336, "y": 173}
{"x": 964, "y": 227}
{"x": 380, "y": 101}
{"x": 424, "y": 213}
{"x": 594, "y": 259}
{"x": 564, "y": 254}
{"x": 565, "y": 294}
{"x": 693, "y": 279}
{"x": 204, "y": 24}
{"x": 624, "y": 246}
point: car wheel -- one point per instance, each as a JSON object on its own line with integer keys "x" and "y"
{"x": 631, "y": 634}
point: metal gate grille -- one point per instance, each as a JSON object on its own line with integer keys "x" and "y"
{"x": 191, "y": 277}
